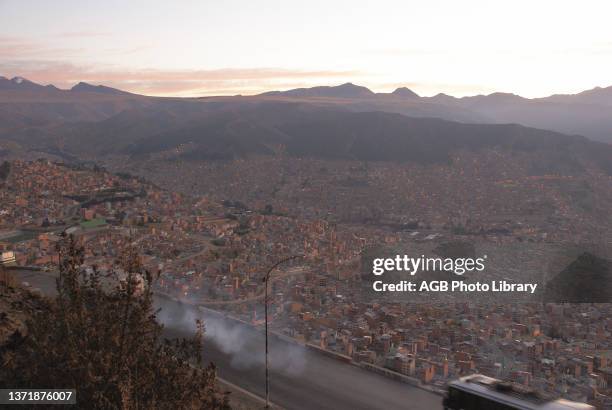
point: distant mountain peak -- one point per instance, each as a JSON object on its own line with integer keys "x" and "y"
{"x": 350, "y": 85}
{"x": 505, "y": 96}
{"x": 90, "y": 88}
{"x": 597, "y": 91}
{"x": 443, "y": 98}
{"x": 594, "y": 96}
{"x": 346, "y": 90}
{"x": 352, "y": 90}
{"x": 18, "y": 83}
{"x": 493, "y": 99}
{"x": 405, "y": 92}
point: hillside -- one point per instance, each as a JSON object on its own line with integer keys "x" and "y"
{"x": 347, "y": 122}
{"x": 586, "y": 113}
{"x": 31, "y": 108}
{"x": 588, "y": 279}
{"x": 45, "y": 105}
{"x": 228, "y": 132}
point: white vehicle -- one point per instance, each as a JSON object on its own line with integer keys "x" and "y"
{"x": 7, "y": 257}
{"x": 478, "y": 392}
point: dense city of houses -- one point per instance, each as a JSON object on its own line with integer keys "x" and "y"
{"x": 215, "y": 253}
{"x": 478, "y": 193}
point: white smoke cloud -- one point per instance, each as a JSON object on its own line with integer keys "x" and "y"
{"x": 244, "y": 344}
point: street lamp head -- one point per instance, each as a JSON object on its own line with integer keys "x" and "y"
{"x": 267, "y": 275}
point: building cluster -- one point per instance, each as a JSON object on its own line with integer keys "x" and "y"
{"x": 216, "y": 253}
{"x": 476, "y": 194}
{"x": 555, "y": 349}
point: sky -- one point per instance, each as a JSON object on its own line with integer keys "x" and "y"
{"x": 224, "y": 47}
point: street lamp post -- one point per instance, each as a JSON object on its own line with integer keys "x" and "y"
{"x": 266, "y": 279}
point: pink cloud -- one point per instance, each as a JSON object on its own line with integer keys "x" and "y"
{"x": 84, "y": 34}
{"x": 17, "y": 48}
{"x": 171, "y": 82}
{"x": 40, "y": 62}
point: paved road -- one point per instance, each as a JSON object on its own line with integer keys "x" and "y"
{"x": 300, "y": 378}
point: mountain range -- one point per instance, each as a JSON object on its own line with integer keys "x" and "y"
{"x": 338, "y": 122}
{"x": 587, "y": 113}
